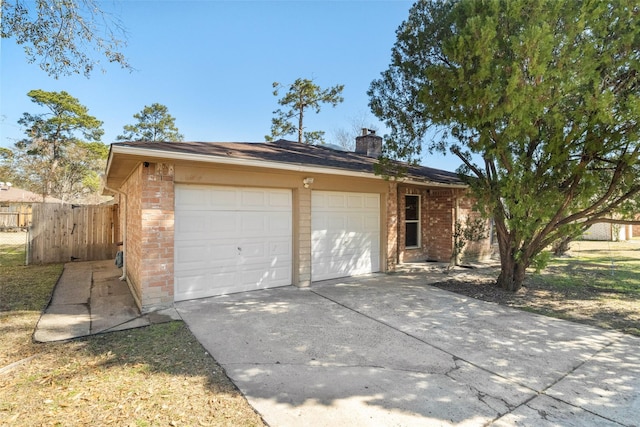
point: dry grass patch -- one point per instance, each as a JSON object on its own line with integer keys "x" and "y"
{"x": 158, "y": 375}
{"x": 598, "y": 283}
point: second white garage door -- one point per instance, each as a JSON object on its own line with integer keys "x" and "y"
{"x": 345, "y": 234}
{"x": 231, "y": 239}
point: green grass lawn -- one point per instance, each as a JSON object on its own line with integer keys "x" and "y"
{"x": 612, "y": 267}
{"x": 597, "y": 283}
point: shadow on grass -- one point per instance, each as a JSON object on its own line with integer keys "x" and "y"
{"x": 587, "y": 292}
{"x": 156, "y": 375}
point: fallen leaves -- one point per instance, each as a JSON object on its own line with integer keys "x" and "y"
{"x": 104, "y": 380}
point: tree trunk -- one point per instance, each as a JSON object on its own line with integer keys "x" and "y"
{"x": 560, "y": 247}
{"x": 300, "y": 128}
{"x": 512, "y": 274}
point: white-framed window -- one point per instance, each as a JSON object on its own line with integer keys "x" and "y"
{"x": 411, "y": 221}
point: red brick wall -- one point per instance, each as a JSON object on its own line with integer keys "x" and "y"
{"x": 392, "y": 226}
{"x": 473, "y": 250}
{"x": 150, "y": 231}
{"x": 436, "y": 218}
{"x": 131, "y": 209}
{"x": 438, "y": 225}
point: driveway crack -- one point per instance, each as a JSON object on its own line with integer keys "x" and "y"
{"x": 453, "y": 356}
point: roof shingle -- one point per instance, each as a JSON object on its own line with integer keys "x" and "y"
{"x": 293, "y": 153}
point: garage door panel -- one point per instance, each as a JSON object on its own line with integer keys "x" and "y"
{"x": 258, "y": 225}
{"x": 318, "y": 201}
{"x": 190, "y": 257}
{"x": 336, "y": 201}
{"x": 199, "y": 224}
{"x": 253, "y": 199}
{"x": 261, "y": 201}
{"x": 345, "y": 234}
{"x": 191, "y": 222}
{"x": 372, "y": 202}
{"x": 355, "y": 223}
{"x": 280, "y": 248}
{"x": 273, "y": 246}
{"x": 207, "y": 254}
{"x": 333, "y": 268}
{"x": 193, "y": 199}
{"x": 371, "y": 223}
{"x": 252, "y": 224}
{"x": 259, "y": 276}
{"x": 220, "y": 224}
{"x": 280, "y": 200}
{"x": 251, "y": 250}
{"x": 334, "y": 221}
{"x": 355, "y": 202}
{"x": 236, "y": 239}
{"x": 223, "y": 284}
{"x": 199, "y": 284}
{"x": 280, "y": 223}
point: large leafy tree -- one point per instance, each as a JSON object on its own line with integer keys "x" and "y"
{"x": 62, "y": 154}
{"x": 63, "y": 36}
{"x": 301, "y": 96}
{"x": 154, "y": 123}
{"x": 540, "y": 100}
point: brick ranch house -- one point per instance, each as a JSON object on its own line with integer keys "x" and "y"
{"x": 204, "y": 219}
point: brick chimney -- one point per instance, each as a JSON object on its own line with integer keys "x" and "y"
{"x": 369, "y": 143}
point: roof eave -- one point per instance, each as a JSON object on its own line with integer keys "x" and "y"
{"x": 292, "y": 167}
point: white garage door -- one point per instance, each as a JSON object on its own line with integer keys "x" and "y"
{"x": 231, "y": 239}
{"x": 345, "y": 234}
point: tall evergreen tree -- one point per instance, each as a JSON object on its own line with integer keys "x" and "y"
{"x": 302, "y": 95}
{"x": 154, "y": 124}
{"x": 545, "y": 94}
{"x": 62, "y": 153}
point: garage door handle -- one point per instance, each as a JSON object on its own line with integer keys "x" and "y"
{"x": 239, "y": 250}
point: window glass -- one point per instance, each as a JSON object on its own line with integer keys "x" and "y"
{"x": 412, "y": 221}
{"x": 411, "y": 207}
{"x": 411, "y": 236}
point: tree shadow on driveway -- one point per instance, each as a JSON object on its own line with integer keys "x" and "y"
{"x": 393, "y": 350}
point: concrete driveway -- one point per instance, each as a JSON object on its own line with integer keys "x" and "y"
{"x": 389, "y": 350}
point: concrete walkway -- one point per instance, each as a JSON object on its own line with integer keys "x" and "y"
{"x": 88, "y": 299}
{"x": 389, "y": 350}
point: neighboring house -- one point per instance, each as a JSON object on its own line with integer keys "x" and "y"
{"x": 609, "y": 232}
{"x": 15, "y": 206}
{"x": 205, "y": 219}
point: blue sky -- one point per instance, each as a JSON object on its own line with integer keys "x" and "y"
{"x": 212, "y": 63}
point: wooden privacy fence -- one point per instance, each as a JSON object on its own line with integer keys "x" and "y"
{"x": 15, "y": 216}
{"x": 62, "y": 233}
